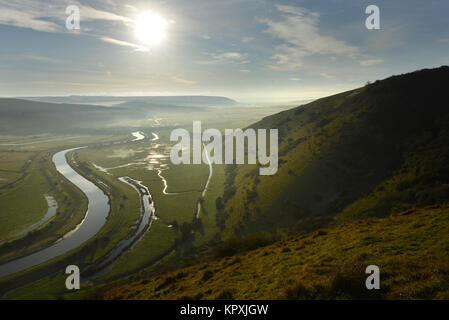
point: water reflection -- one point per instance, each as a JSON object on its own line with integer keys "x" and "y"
{"x": 95, "y": 218}
{"x": 51, "y": 211}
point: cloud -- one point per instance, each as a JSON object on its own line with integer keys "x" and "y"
{"x": 244, "y": 71}
{"x": 184, "y": 81}
{"x": 226, "y": 58}
{"x": 89, "y": 13}
{"x": 370, "y": 62}
{"x": 326, "y": 75}
{"x": 130, "y": 7}
{"x": 301, "y": 37}
{"x": 246, "y": 39}
{"x": 295, "y": 79}
{"x": 24, "y": 19}
{"x": 40, "y": 59}
{"x": 50, "y": 16}
{"x": 124, "y": 43}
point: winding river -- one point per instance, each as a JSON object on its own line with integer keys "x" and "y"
{"x": 94, "y": 219}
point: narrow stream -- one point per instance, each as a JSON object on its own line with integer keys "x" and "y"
{"x": 51, "y": 211}
{"x": 147, "y": 216}
{"x": 203, "y": 194}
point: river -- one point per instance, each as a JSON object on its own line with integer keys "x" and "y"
{"x": 94, "y": 219}
{"x": 211, "y": 170}
{"x": 126, "y": 244}
{"x": 51, "y": 211}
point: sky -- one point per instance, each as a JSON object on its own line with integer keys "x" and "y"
{"x": 248, "y": 50}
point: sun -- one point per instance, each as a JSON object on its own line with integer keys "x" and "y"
{"x": 150, "y": 28}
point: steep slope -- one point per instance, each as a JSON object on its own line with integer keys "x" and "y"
{"x": 410, "y": 248}
{"x": 362, "y": 153}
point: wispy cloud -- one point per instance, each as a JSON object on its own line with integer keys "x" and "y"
{"x": 225, "y": 58}
{"x": 40, "y": 59}
{"x": 301, "y": 37}
{"x": 26, "y": 19}
{"x": 89, "y": 13}
{"x": 50, "y": 16}
{"x": 184, "y": 81}
{"x": 246, "y": 39}
{"x": 326, "y": 75}
{"x": 124, "y": 43}
{"x": 370, "y": 62}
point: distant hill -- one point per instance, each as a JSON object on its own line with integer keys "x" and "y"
{"x": 64, "y": 114}
{"x": 165, "y": 100}
{"x": 367, "y": 152}
{"x": 19, "y": 116}
{"x": 159, "y": 107}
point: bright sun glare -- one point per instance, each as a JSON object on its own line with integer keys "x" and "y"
{"x": 150, "y": 28}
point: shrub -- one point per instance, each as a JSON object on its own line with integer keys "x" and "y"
{"x": 167, "y": 282}
{"x": 225, "y": 295}
{"x": 207, "y": 275}
{"x": 242, "y": 244}
{"x": 298, "y": 291}
{"x": 219, "y": 204}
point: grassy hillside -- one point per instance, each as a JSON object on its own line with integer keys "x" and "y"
{"x": 363, "y": 153}
{"x": 410, "y": 248}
